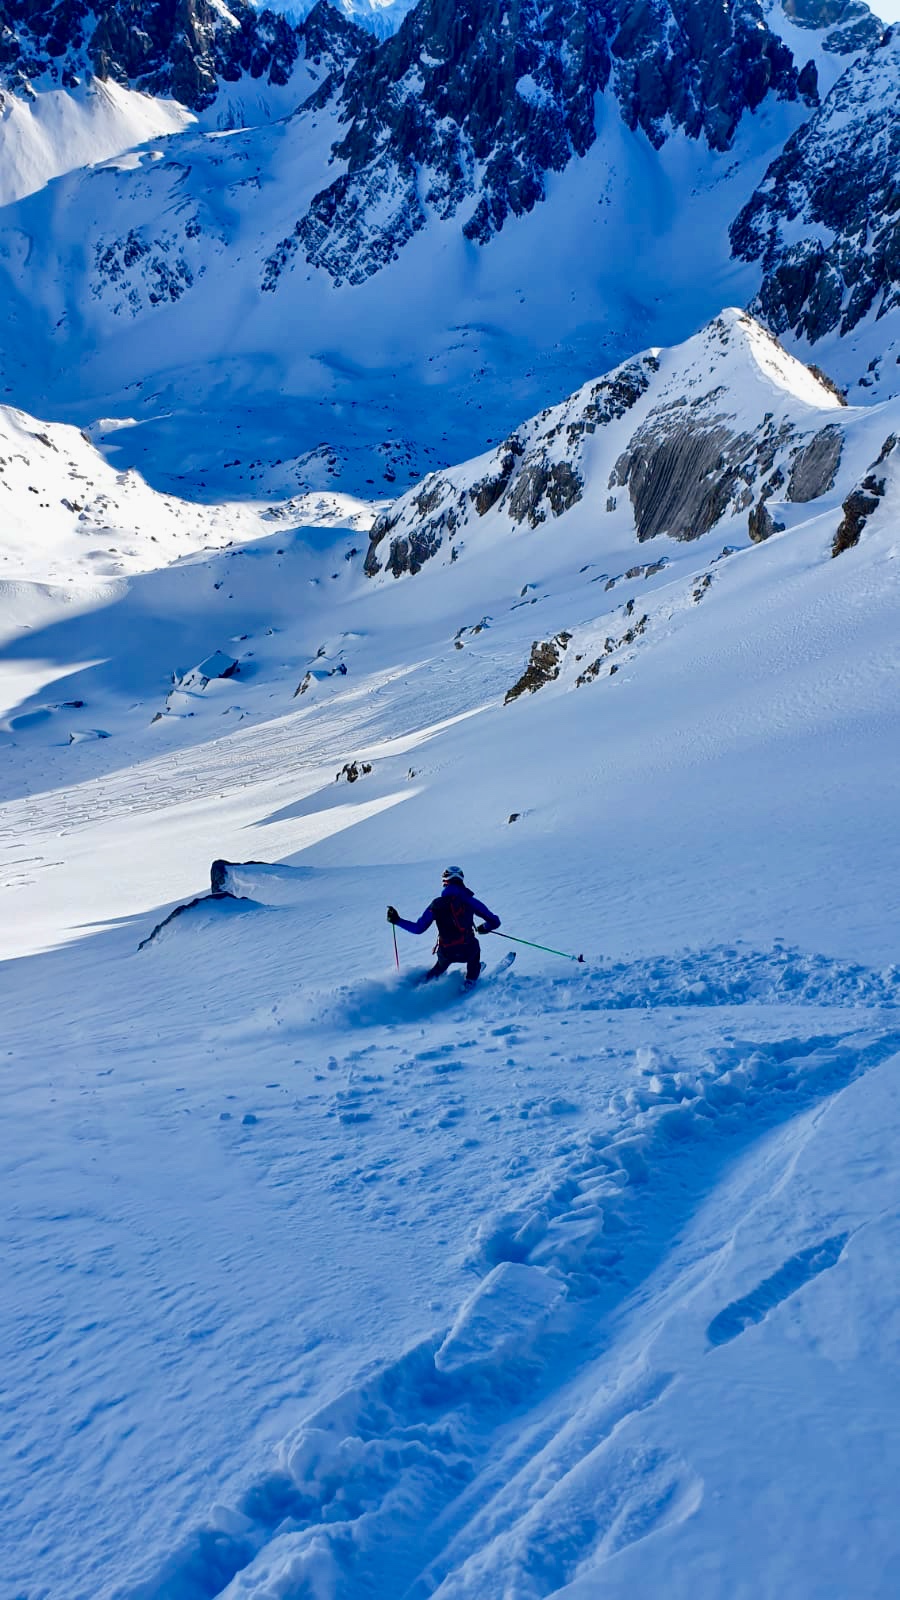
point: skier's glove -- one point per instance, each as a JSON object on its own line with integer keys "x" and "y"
{"x": 482, "y": 927}
{"x": 392, "y": 914}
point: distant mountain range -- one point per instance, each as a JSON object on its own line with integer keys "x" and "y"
{"x": 503, "y": 199}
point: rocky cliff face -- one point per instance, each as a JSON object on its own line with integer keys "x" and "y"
{"x": 825, "y": 222}
{"x": 468, "y": 108}
{"x": 180, "y": 48}
{"x": 708, "y": 434}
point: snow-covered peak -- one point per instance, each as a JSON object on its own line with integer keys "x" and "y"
{"x": 675, "y": 442}
{"x": 735, "y": 350}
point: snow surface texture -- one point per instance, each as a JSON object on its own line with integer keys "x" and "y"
{"x": 320, "y": 1284}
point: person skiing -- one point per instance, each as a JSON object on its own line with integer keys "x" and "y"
{"x": 454, "y": 911}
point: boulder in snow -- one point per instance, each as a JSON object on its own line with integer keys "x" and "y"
{"x": 218, "y": 665}
{"x": 543, "y": 666}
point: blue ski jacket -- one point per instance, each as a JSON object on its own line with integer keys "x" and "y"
{"x": 454, "y": 910}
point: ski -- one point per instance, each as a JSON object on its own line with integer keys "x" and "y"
{"x": 488, "y": 974}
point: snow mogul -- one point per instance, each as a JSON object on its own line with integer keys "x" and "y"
{"x": 454, "y": 912}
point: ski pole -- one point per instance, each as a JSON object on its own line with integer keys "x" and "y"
{"x": 396, "y": 951}
{"x": 564, "y": 953}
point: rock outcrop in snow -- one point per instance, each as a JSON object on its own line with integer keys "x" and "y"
{"x": 696, "y": 436}
{"x": 863, "y": 501}
{"x": 824, "y": 222}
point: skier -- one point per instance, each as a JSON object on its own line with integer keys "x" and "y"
{"x": 454, "y": 911}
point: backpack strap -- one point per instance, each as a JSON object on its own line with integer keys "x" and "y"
{"x": 456, "y": 908}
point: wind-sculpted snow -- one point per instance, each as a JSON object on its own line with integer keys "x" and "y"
{"x": 493, "y": 1446}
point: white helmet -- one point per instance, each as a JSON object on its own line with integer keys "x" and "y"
{"x": 453, "y": 872}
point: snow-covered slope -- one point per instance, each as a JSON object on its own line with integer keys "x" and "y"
{"x": 77, "y": 535}
{"x": 60, "y": 130}
{"x": 81, "y": 91}
{"x": 432, "y": 197}
{"x": 108, "y": 281}
{"x": 725, "y": 433}
{"x": 319, "y": 1284}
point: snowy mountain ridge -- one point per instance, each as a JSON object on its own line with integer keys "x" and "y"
{"x": 699, "y": 437}
{"x": 376, "y": 162}
{"x": 182, "y": 52}
{"x": 613, "y": 507}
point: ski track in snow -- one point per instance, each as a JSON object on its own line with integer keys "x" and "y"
{"x": 438, "y": 1454}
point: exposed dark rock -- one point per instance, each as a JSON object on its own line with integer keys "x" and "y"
{"x": 761, "y": 524}
{"x": 857, "y": 509}
{"x": 590, "y": 673}
{"x": 353, "y": 770}
{"x": 851, "y": 24}
{"x": 814, "y": 468}
{"x": 182, "y": 48}
{"x": 381, "y": 527}
{"x": 861, "y": 502}
{"x": 410, "y": 554}
{"x": 542, "y": 484}
{"x": 486, "y": 493}
{"x": 469, "y": 106}
{"x": 543, "y": 666}
{"x": 425, "y": 515}
{"x": 681, "y": 474}
{"x": 595, "y": 667}
{"x": 533, "y": 473}
{"x": 825, "y": 221}
{"x": 703, "y": 72}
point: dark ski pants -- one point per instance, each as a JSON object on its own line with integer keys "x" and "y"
{"x": 469, "y": 953}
